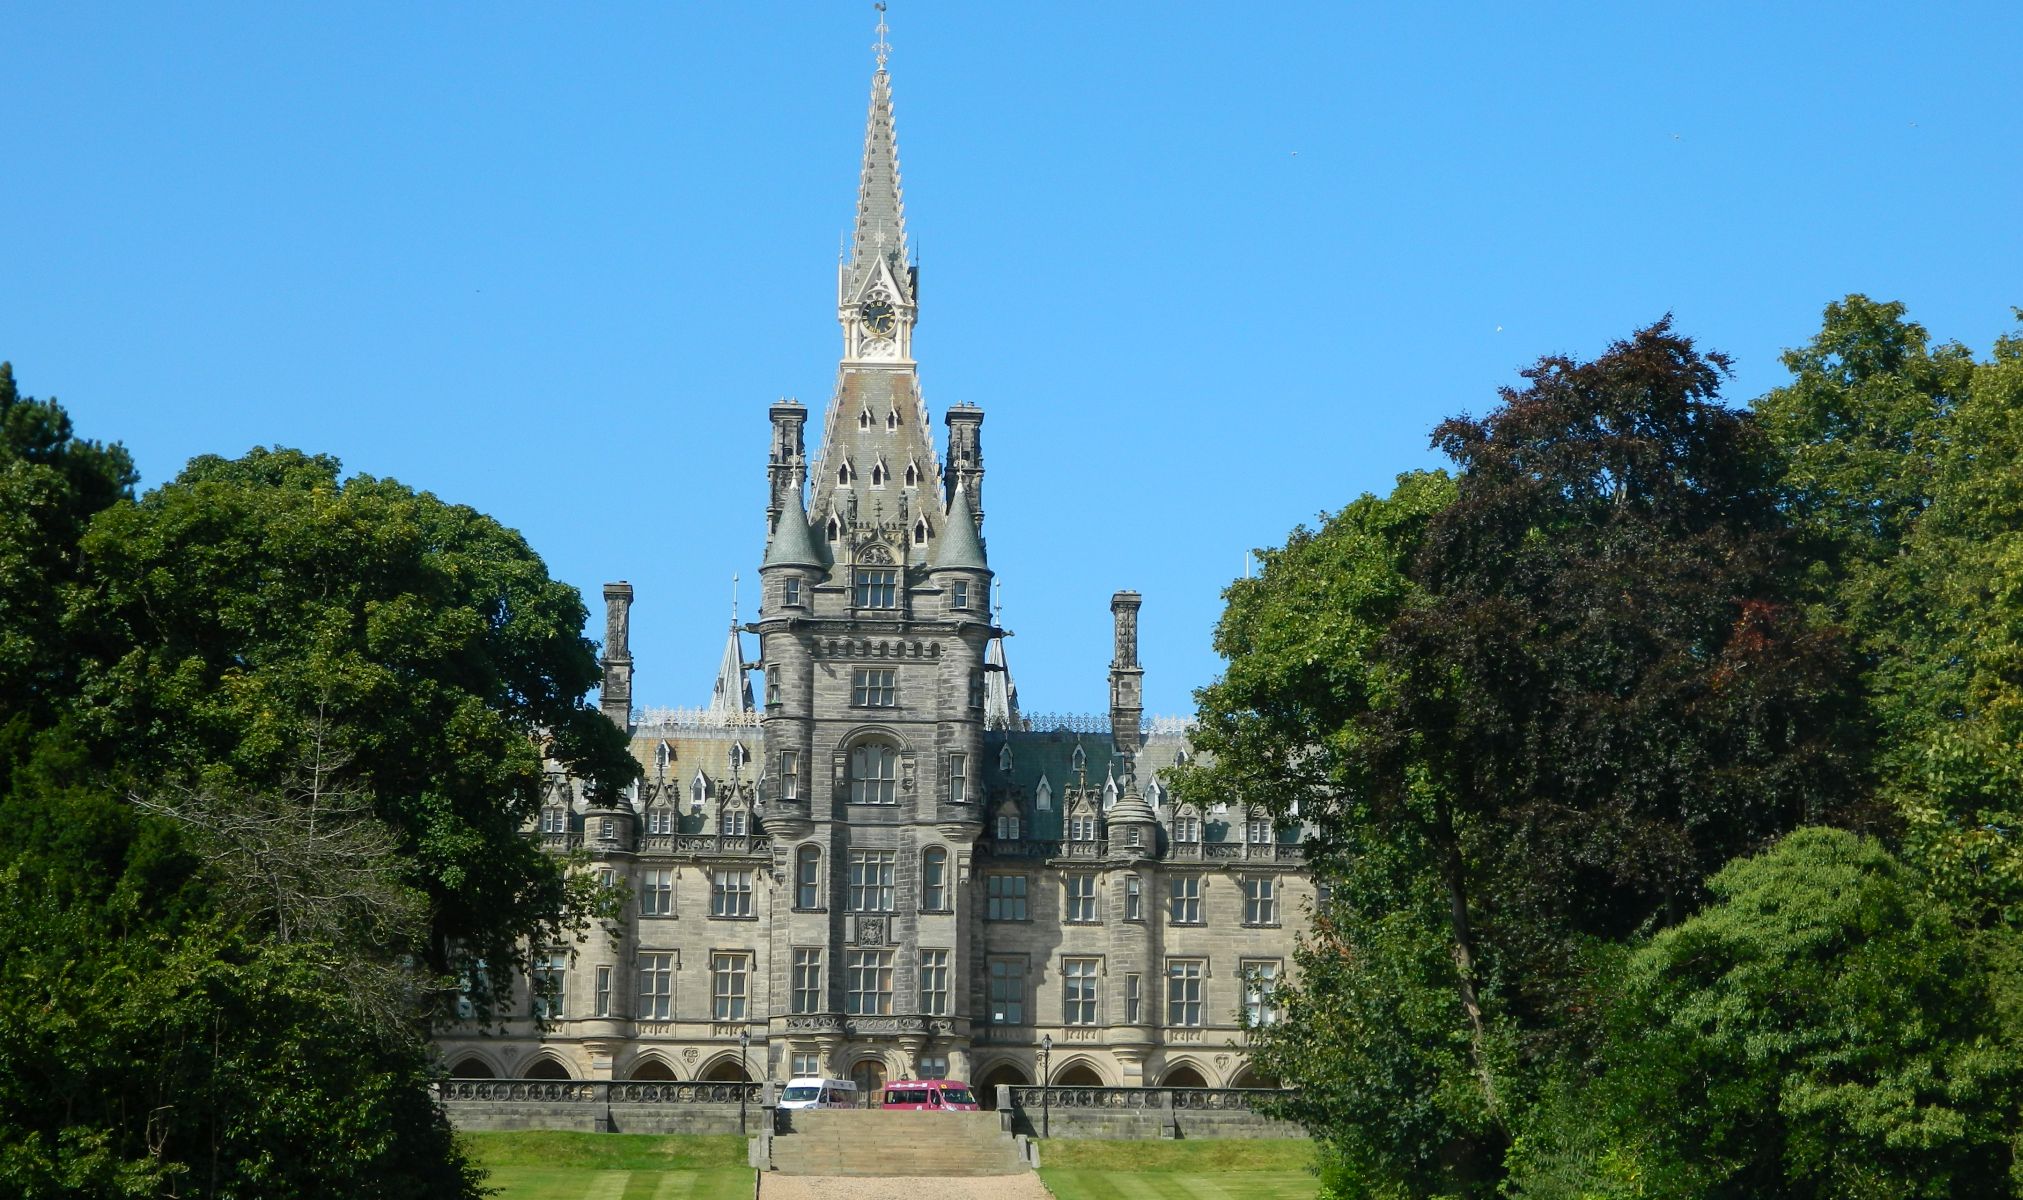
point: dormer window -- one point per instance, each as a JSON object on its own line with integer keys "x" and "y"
{"x": 1004, "y": 758}
{"x": 835, "y": 529}
{"x": 731, "y": 822}
{"x": 843, "y": 475}
{"x": 1043, "y": 798}
{"x": 912, "y": 475}
{"x": 920, "y": 532}
{"x": 554, "y": 820}
{"x": 892, "y": 419}
{"x": 698, "y": 791}
{"x": 878, "y": 475}
{"x": 864, "y": 418}
{"x": 1081, "y": 759}
{"x": 738, "y": 756}
{"x": 662, "y": 755}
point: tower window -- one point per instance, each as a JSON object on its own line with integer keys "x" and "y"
{"x": 863, "y": 418}
{"x": 874, "y": 687}
{"x": 835, "y": 531}
{"x": 892, "y": 419}
{"x": 843, "y": 474}
{"x": 912, "y": 475}
{"x": 873, "y": 771}
{"x": 920, "y": 532}
{"x": 877, "y": 587}
{"x": 958, "y": 594}
{"x": 790, "y": 589}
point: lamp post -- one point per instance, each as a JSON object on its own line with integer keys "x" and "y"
{"x": 745, "y": 1084}
{"x": 1046, "y": 1087}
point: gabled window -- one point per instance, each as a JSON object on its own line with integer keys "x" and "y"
{"x": 1080, "y": 761}
{"x": 1007, "y": 827}
{"x": 892, "y": 419}
{"x": 835, "y": 529}
{"x": 912, "y": 475}
{"x": 920, "y": 532}
{"x": 878, "y": 475}
{"x": 554, "y": 820}
{"x": 843, "y": 474}
{"x": 863, "y": 418}
{"x": 1004, "y": 757}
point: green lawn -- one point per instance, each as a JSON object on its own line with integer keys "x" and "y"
{"x": 1238, "y": 1169}
{"x": 612, "y": 1166}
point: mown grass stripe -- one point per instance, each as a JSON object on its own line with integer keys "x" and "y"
{"x": 607, "y": 1185}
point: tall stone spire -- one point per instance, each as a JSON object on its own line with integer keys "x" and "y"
{"x": 732, "y": 695}
{"x": 877, "y": 471}
{"x": 879, "y": 238}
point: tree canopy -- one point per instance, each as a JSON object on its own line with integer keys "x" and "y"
{"x": 271, "y": 736}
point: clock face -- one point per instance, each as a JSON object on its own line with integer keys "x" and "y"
{"x": 878, "y": 317}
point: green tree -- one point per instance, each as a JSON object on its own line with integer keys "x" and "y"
{"x": 1545, "y": 700}
{"x": 1902, "y": 461}
{"x": 51, "y": 484}
{"x": 1823, "y": 1029}
{"x": 258, "y": 613}
{"x": 152, "y": 1045}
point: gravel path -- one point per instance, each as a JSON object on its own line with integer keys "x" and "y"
{"x": 1024, "y": 1186}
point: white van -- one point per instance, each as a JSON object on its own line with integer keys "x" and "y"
{"x": 810, "y": 1092}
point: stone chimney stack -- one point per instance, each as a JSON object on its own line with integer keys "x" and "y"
{"x": 1127, "y": 678}
{"x": 616, "y": 700}
{"x": 965, "y": 456}
{"x": 787, "y": 465}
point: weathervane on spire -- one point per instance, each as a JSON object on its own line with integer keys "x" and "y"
{"x": 881, "y": 46}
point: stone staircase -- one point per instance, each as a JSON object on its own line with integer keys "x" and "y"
{"x": 870, "y": 1141}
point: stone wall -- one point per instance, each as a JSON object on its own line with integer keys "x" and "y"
{"x": 595, "y": 1107}
{"x": 1131, "y": 1113}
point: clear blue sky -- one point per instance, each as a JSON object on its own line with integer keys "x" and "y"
{"x": 1210, "y": 268}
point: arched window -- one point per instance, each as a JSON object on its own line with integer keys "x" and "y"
{"x": 934, "y": 880}
{"x": 874, "y": 768}
{"x": 878, "y": 475}
{"x": 808, "y": 878}
{"x": 920, "y": 531}
{"x": 843, "y": 473}
{"x": 892, "y": 419}
{"x": 863, "y": 418}
{"x": 545, "y": 1068}
{"x": 835, "y": 529}
{"x": 912, "y": 475}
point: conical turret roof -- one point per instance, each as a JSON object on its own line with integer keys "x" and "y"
{"x": 793, "y": 542}
{"x": 958, "y": 548}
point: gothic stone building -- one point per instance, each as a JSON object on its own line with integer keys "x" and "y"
{"x": 882, "y": 868}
